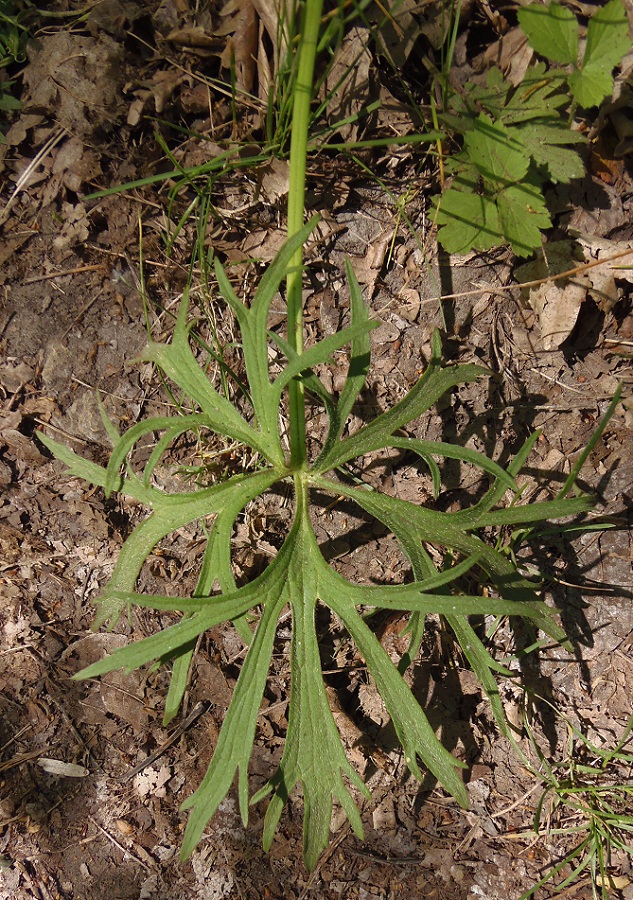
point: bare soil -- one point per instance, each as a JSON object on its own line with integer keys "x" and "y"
{"x": 72, "y": 326}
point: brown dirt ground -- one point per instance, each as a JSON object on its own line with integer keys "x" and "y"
{"x": 71, "y": 326}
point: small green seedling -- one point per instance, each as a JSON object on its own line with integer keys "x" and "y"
{"x": 553, "y": 32}
{"x": 12, "y": 49}
{"x": 441, "y": 547}
{"x": 587, "y": 799}
{"x": 518, "y": 139}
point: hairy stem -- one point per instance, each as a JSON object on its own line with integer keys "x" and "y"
{"x": 311, "y": 21}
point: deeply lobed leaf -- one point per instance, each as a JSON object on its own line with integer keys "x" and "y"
{"x": 300, "y": 578}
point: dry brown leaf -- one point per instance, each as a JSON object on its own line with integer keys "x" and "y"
{"x": 601, "y": 279}
{"x": 194, "y": 37}
{"x": 556, "y": 304}
{"x": 399, "y": 29}
{"x": 274, "y": 178}
{"x": 348, "y": 82}
{"x": 411, "y": 303}
{"x": 161, "y": 88}
{"x": 511, "y": 53}
{"x": 264, "y": 245}
{"x": 241, "y": 25}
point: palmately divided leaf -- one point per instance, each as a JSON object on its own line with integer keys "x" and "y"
{"x": 411, "y": 724}
{"x": 171, "y": 512}
{"x": 358, "y": 367}
{"x": 541, "y": 96}
{"x": 523, "y": 216}
{"x": 468, "y": 221}
{"x": 299, "y": 577}
{"x": 235, "y": 743}
{"x": 607, "y": 42}
{"x": 551, "y": 30}
{"x": 180, "y": 365}
{"x": 547, "y": 144}
{"x": 435, "y": 382}
{"x": 252, "y": 324}
{"x": 313, "y": 753}
{"x": 408, "y": 521}
{"x": 495, "y": 151}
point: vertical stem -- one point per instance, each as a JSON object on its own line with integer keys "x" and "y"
{"x": 311, "y": 21}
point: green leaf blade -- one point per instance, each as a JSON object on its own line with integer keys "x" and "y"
{"x": 551, "y": 30}
{"x": 548, "y": 146}
{"x": 235, "y": 743}
{"x": 607, "y": 42}
{"x": 495, "y": 151}
{"x": 313, "y": 753}
{"x": 523, "y": 216}
{"x": 467, "y": 221}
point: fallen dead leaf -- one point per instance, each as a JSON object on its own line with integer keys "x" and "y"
{"x": 601, "y": 279}
{"x": 347, "y": 87}
{"x": 511, "y": 53}
{"x": 240, "y": 24}
{"x": 557, "y": 303}
{"x": 77, "y": 80}
{"x": 274, "y": 178}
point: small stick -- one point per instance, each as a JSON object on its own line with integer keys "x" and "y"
{"x": 195, "y": 713}
{"x": 124, "y": 850}
{"x": 578, "y": 270}
{"x": 76, "y": 271}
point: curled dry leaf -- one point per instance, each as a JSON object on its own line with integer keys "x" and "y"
{"x": 557, "y": 304}
{"x": 274, "y": 178}
{"x": 77, "y": 80}
{"x": 511, "y": 53}
{"x": 195, "y": 38}
{"x": 63, "y": 769}
{"x": 347, "y": 87}
{"x": 240, "y": 25}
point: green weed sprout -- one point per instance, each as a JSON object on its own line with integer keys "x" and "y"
{"x": 13, "y": 37}
{"x": 299, "y": 577}
{"x": 517, "y": 139}
{"x": 586, "y": 798}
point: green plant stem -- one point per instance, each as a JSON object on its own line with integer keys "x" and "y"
{"x": 296, "y": 203}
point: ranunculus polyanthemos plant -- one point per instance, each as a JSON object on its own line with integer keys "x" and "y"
{"x": 299, "y": 577}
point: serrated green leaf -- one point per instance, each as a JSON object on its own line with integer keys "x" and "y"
{"x": 546, "y": 144}
{"x": 170, "y": 513}
{"x": 173, "y": 425}
{"x": 523, "y": 216}
{"x": 425, "y": 449}
{"x": 313, "y": 753}
{"x": 359, "y": 358}
{"x": 551, "y": 30}
{"x": 179, "y": 364}
{"x": 591, "y": 85}
{"x": 540, "y": 96}
{"x": 235, "y": 743}
{"x": 429, "y": 526}
{"x": 497, "y": 154}
{"x": 410, "y": 723}
{"x": 607, "y": 42}
{"x": 608, "y": 36}
{"x": 467, "y": 221}
{"x": 317, "y": 354}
